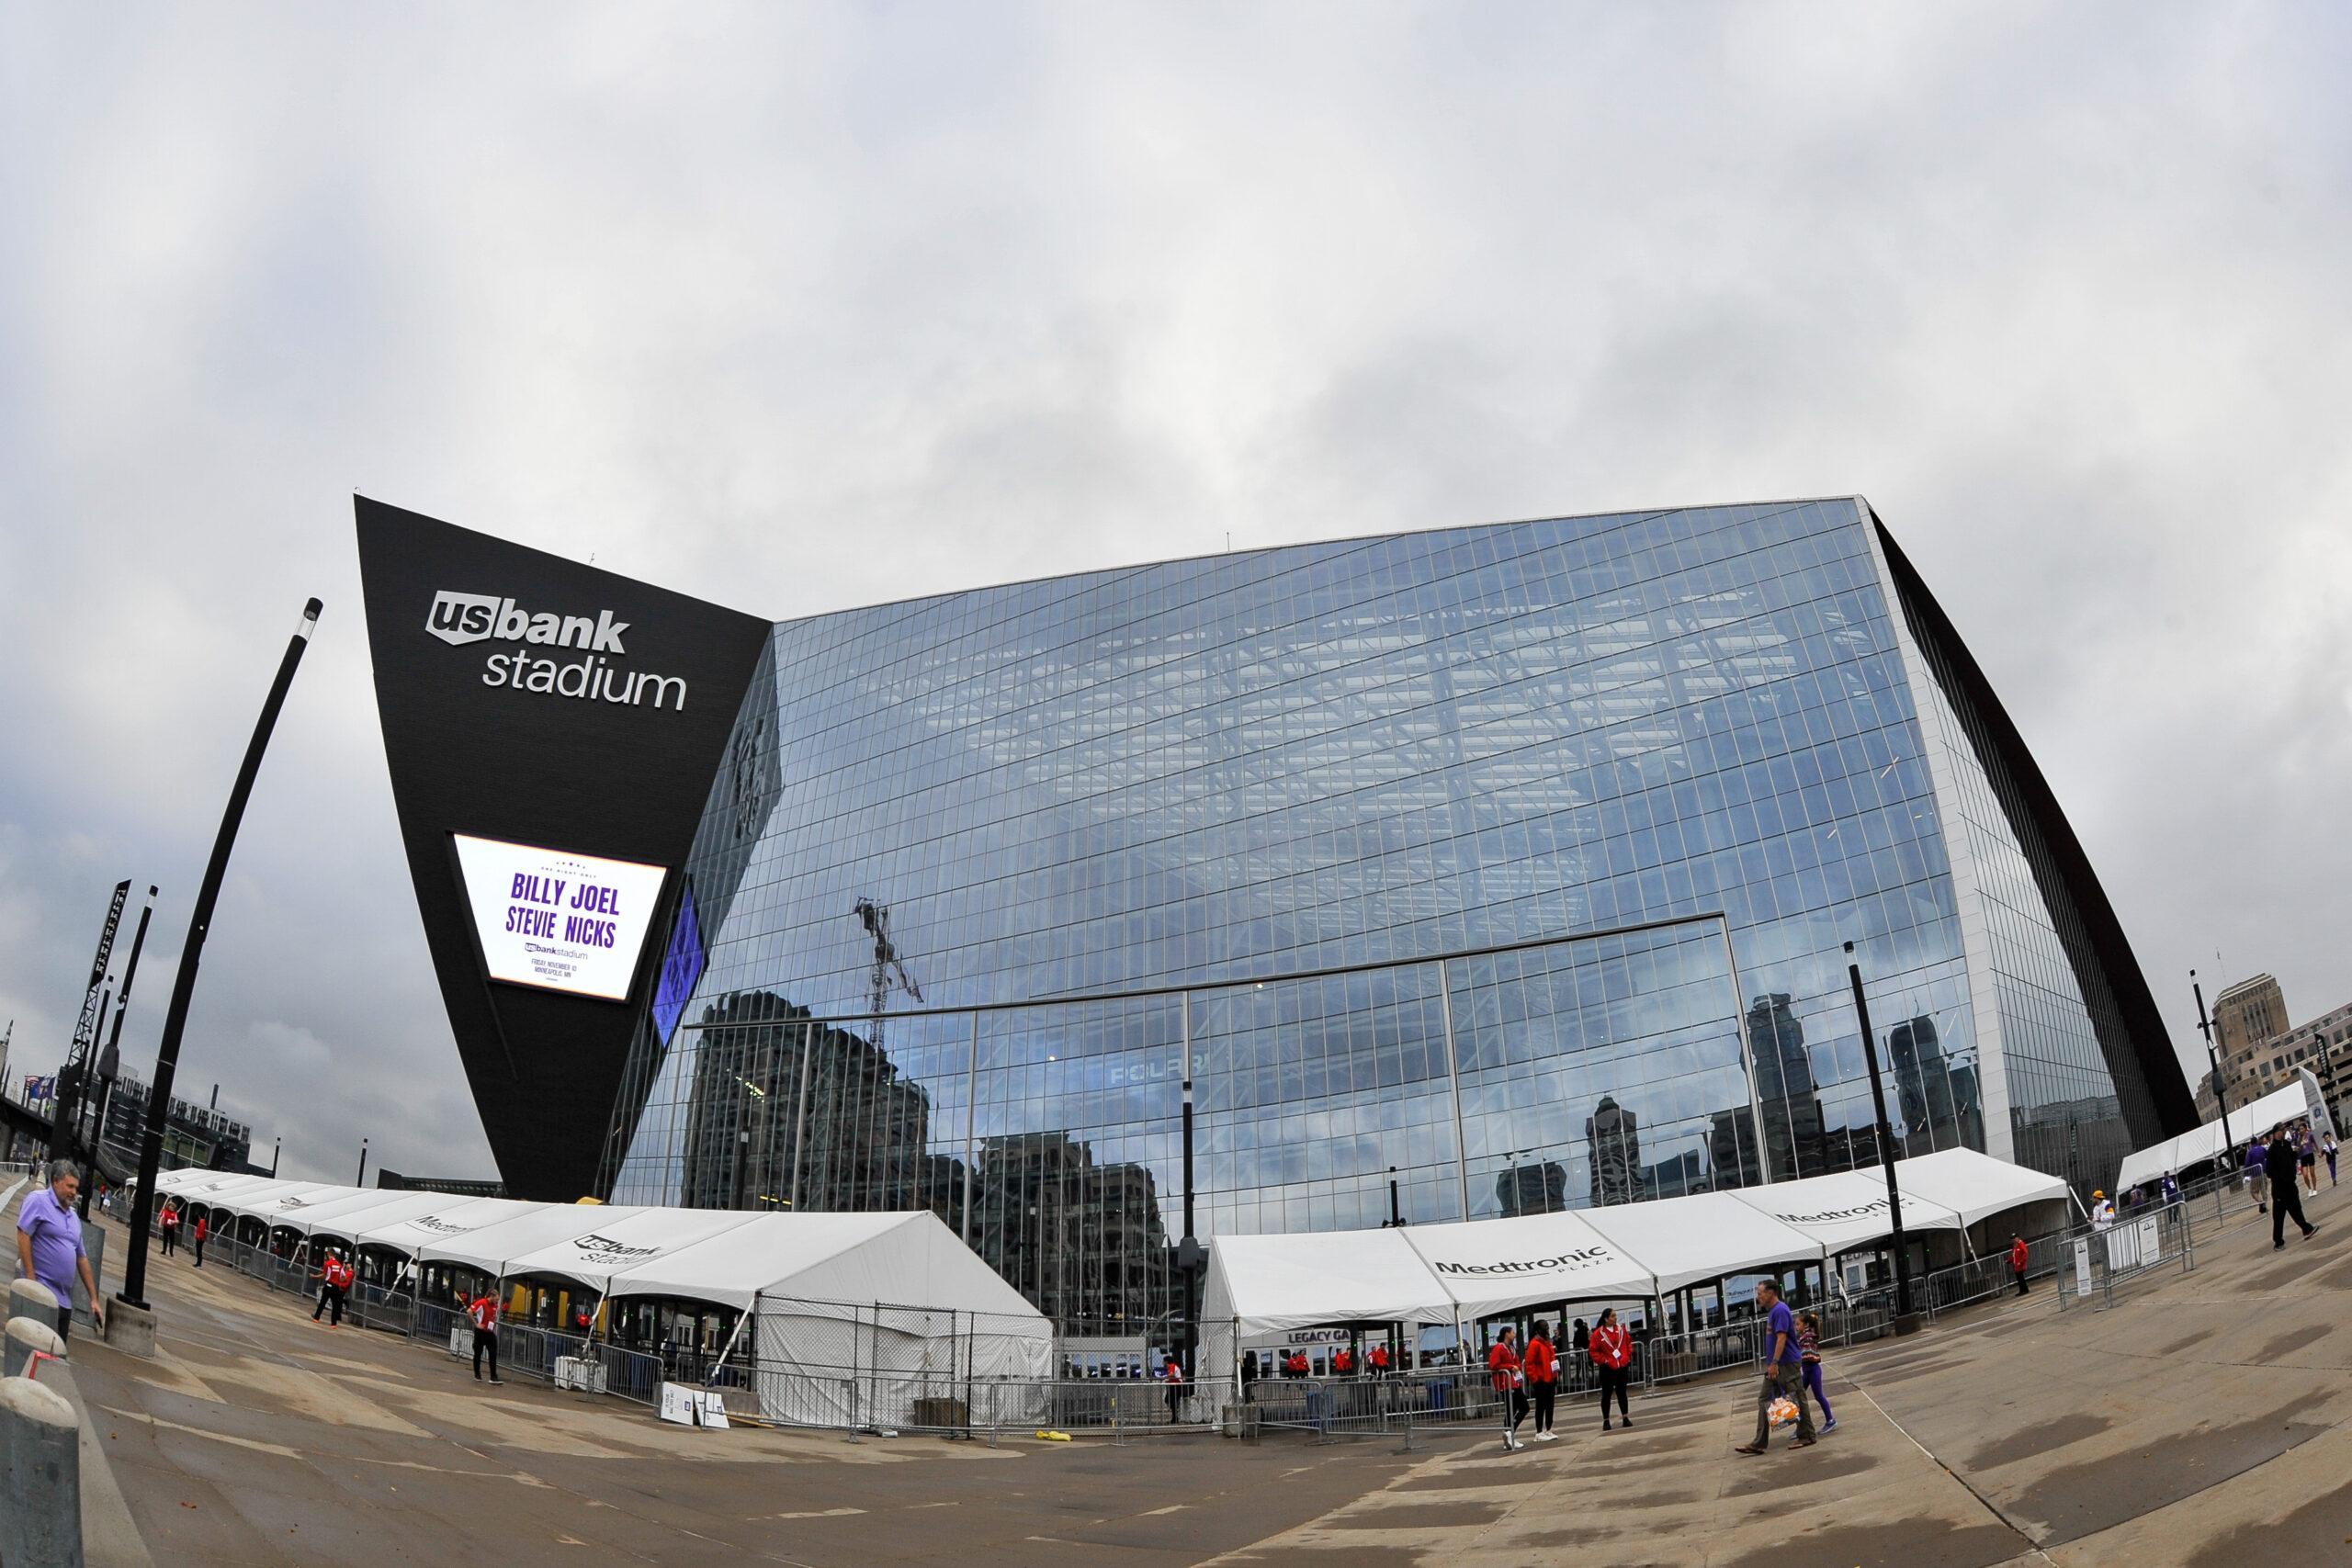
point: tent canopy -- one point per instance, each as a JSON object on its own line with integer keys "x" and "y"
{"x": 1294, "y": 1281}
{"x": 280, "y": 1199}
{"x": 1701, "y": 1237}
{"x": 591, "y": 1257}
{"x": 2299, "y": 1099}
{"x": 354, "y": 1214}
{"x": 459, "y": 1216}
{"x": 490, "y": 1247}
{"x": 1431, "y": 1273}
{"x": 1846, "y": 1211}
{"x": 906, "y": 1258}
{"x": 1973, "y": 1185}
{"x": 1491, "y": 1266}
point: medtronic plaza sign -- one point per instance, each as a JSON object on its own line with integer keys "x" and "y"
{"x": 459, "y": 619}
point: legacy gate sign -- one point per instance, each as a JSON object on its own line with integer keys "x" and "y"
{"x": 552, "y": 733}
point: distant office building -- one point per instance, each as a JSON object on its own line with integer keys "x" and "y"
{"x": 2209, "y": 1104}
{"x": 2324, "y": 1045}
{"x": 455, "y": 1186}
{"x": 2246, "y": 1018}
{"x": 204, "y": 1137}
{"x": 1059, "y": 834}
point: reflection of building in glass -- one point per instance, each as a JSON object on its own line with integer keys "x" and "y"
{"x": 1784, "y": 1087}
{"x": 1612, "y": 1133}
{"x": 1228, "y": 769}
{"x": 1532, "y": 1189}
{"x": 790, "y": 1114}
{"x": 1083, "y": 1240}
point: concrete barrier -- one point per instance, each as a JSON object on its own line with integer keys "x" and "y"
{"x": 30, "y": 1298}
{"x": 109, "y": 1537}
{"x": 24, "y": 1339}
{"x": 40, "y": 1439}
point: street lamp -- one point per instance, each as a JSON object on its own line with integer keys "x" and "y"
{"x": 167, "y": 1053}
{"x": 1884, "y": 1135}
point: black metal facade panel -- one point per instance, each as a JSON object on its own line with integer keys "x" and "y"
{"x": 603, "y": 761}
{"x": 2105, "y": 966}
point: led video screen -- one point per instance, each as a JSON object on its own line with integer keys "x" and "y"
{"x": 556, "y": 920}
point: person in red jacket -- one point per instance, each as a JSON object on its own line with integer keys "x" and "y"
{"x": 1543, "y": 1367}
{"x": 2020, "y": 1256}
{"x": 1612, "y": 1357}
{"x": 483, "y": 1310}
{"x": 203, "y": 1229}
{"x": 1379, "y": 1359}
{"x": 1343, "y": 1364}
{"x": 1511, "y": 1383}
{"x": 333, "y": 1281}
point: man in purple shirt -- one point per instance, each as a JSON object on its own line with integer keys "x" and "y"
{"x": 48, "y": 1244}
{"x": 1783, "y": 1373}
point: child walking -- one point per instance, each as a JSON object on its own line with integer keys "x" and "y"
{"x": 1809, "y": 1353}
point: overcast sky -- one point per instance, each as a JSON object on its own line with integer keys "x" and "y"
{"x": 803, "y": 308}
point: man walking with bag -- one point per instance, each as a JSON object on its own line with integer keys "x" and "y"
{"x": 1784, "y": 1375}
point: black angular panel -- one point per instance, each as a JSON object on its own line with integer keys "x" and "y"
{"x": 609, "y": 749}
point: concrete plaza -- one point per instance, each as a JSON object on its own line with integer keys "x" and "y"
{"x": 2205, "y": 1420}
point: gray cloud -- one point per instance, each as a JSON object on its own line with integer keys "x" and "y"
{"x": 805, "y": 308}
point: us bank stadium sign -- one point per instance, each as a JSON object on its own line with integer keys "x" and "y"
{"x": 459, "y": 619}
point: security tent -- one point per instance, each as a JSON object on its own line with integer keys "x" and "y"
{"x": 592, "y": 1256}
{"x": 2299, "y": 1100}
{"x": 1847, "y": 1211}
{"x": 344, "y": 1220}
{"x": 489, "y": 1250}
{"x": 1973, "y": 1186}
{"x": 1258, "y": 1284}
{"x": 1493, "y": 1266}
{"x": 894, "y": 1302}
{"x": 1687, "y": 1241}
{"x": 457, "y": 1217}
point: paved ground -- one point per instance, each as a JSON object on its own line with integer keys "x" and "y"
{"x": 2206, "y": 1420}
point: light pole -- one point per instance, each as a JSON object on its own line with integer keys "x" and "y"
{"x": 1884, "y": 1135}
{"x": 361, "y": 1179}
{"x": 167, "y": 1055}
{"x": 2221, "y": 1095}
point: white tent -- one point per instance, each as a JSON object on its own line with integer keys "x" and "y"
{"x": 489, "y": 1248}
{"x": 2298, "y": 1100}
{"x": 347, "y": 1219}
{"x": 1847, "y": 1210}
{"x": 1973, "y": 1185}
{"x": 192, "y": 1186}
{"x": 892, "y": 1300}
{"x": 462, "y": 1217}
{"x": 280, "y": 1199}
{"x": 1492, "y": 1266}
{"x": 1686, "y": 1240}
{"x": 1294, "y": 1281}
{"x": 592, "y": 1257}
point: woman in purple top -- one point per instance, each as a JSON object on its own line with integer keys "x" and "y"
{"x": 49, "y": 1245}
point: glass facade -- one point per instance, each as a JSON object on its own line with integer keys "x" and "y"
{"x": 1167, "y": 788}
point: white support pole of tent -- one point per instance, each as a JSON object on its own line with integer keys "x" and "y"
{"x": 971, "y": 1113}
{"x": 1746, "y": 1053}
{"x": 741, "y": 1318}
{"x": 1454, "y": 1081}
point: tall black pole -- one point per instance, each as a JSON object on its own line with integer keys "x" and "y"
{"x": 362, "y": 1181}
{"x": 167, "y": 1054}
{"x": 1884, "y": 1135}
{"x": 2220, "y": 1095}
